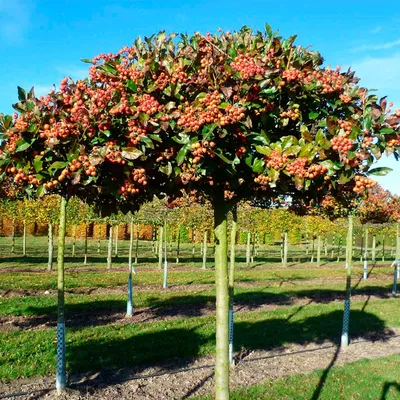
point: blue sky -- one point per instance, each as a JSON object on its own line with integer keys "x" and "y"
{"x": 43, "y": 40}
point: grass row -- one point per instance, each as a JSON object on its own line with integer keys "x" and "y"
{"x": 31, "y": 353}
{"x": 109, "y": 278}
{"x": 361, "y": 380}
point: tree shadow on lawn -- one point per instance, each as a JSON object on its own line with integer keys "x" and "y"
{"x": 104, "y": 312}
{"x": 170, "y": 349}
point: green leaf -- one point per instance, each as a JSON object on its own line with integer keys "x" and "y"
{"x": 182, "y": 153}
{"x": 147, "y": 141}
{"x": 381, "y": 171}
{"x": 58, "y": 165}
{"x": 223, "y": 158}
{"x": 131, "y": 85}
{"x": 131, "y": 153}
{"x": 22, "y": 145}
{"x": 313, "y": 115}
{"x": 258, "y": 166}
{"x": 264, "y": 150}
{"x": 38, "y": 163}
{"x": 21, "y": 94}
{"x": 166, "y": 169}
{"x": 386, "y": 130}
{"x": 182, "y": 138}
{"x": 306, "y": 150}
{"x": 87, "y": 60}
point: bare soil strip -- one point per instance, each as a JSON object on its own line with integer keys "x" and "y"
{"x": 5, "y": 293}
{"x": 196, "y": 378}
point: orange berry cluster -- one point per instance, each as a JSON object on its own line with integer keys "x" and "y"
{"x": 247, "y": 66}
{"x": 297, "y": 167}
{"x": 12, "y": 139}
{"x": 21, "y": 124}
{"x": 167, "y": 154}
{"x": 346, "y": 126}
{"x": 367, "y": 141}
{"x": 315, "y": 170}
{"x": 293, "y": 114}
{"x": 200, "y": 149}
{"x": 276, "y": 160}
{"x": 262, "y": 180}
{"x": 363, "y": 183}
{"x": 149, "y": 105}
{"x": 345, "y": 98}
{"x": 341, "y": 143}
{"x": 291, "y": 74}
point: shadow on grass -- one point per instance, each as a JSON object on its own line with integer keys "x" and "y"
{"x": 385, "y": 390}
{"x": 103, "y": 312}
{"x": 174, "y": 348}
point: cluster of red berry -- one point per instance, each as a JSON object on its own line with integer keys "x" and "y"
{"x": 247, "y": 66}
{"x": 342, "y": 144}
{"x": 362, "y": 183}
{"x": 276, "y": 160}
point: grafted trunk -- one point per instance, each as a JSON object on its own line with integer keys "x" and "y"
{"x": 51, "y": 247}
{"x": 285, "y": 249}
{"x": 346, "y": 313}
{"x": 319, "y": 250}
{"x": 248, "y": 249}
{"x": 61, "y": 363}
{"x": 160, "y": 247}
{"x": 232, "y": 281}
{"x": 110, "y": 246}
{"x": 222, "y": 302}
{"x": 205, "y": 238}
{"x": 24, "y": 241}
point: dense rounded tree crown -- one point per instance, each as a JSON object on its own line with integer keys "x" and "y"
{"x": 232, "y": 115}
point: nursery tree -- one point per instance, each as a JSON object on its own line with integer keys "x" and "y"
{"x": 229, "y": 116}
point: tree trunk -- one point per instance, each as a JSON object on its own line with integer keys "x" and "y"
{"x": 365, "y": 256}
{"x": 222, "y": 302}
{"x": 205, "y": 236}
{"x": 61, "y": 364}
{"x": 333, "y": 246}
{"x": 248, "y": 249}
{"x": 373, "y": 255}
{"x": 398, "y": 242}
{"x": 231, "y": 281}
{"x": 73, "y": 240}
{"x": 116, "y": 241}
{"x": 110, "y": 246}
{"x": 129, "y": 305}
{"x": 98, "y": 242}
{"x": 165, "y": 283}
{"x": 193, "y": 244}
{"x": 383, "y": 247}
{"x": 24, "y": 241}
{"x": 86, "y": 245}
{"x": 307, "y": 244}
{"x": 346, "y": 313}
{"x": 285, "y": 249}
{"x": 13, "y": 237}
{"x": 160, "y": 247}
{"x": 339, "y": 246}
{"x": 137, "y": 244}
{"x": 326, "y": 247}
{"x": 253, "y": 238}
{"x": 312, "y": 248}
{"x": 319, "y": 250}
{"x": 51, "y": 247}
{"x": 178, "y": 245}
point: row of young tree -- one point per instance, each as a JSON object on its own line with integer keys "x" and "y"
{"x": 225, "y": 118}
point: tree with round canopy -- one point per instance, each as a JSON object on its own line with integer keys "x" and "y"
{"x": 231, "y": 116}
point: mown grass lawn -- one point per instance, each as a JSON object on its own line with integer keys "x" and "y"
{"x": 32, "y": 353}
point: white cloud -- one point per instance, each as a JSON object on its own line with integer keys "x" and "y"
{"x": 376, "y": 47}
{"x": 376, "y": 30}
{"x": 14, "y": 20}
{"x": 381, "y": 73}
